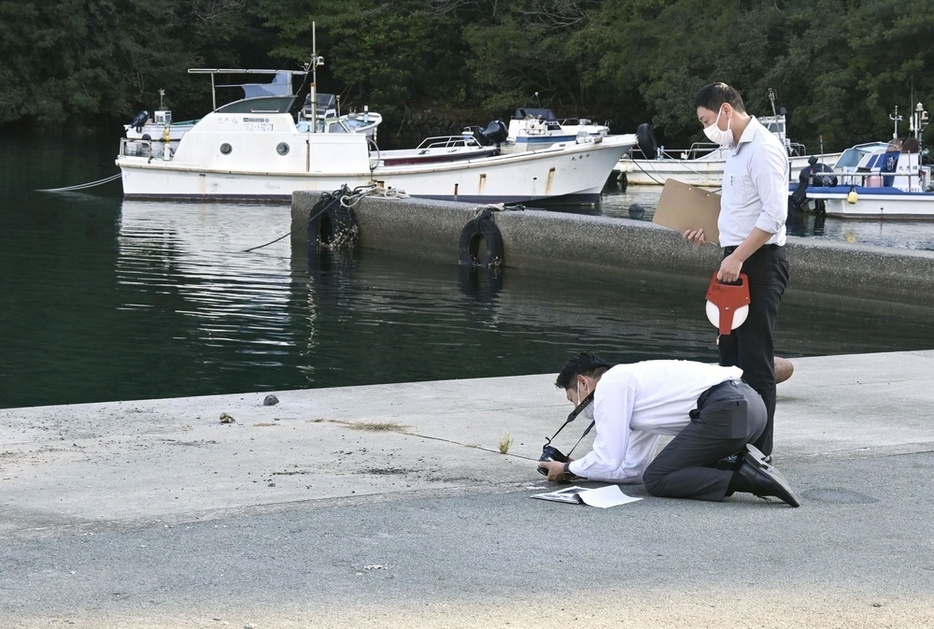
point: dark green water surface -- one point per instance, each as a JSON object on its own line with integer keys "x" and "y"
{"x": 105, "y": 299}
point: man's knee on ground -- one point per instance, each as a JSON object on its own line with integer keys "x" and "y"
{"x": 653, "y": 481}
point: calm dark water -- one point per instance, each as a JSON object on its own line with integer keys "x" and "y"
{"x": 105, "y": 299}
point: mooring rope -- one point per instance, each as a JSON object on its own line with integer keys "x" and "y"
{"x": 346, "y": 198}
{"x": 82, "y": 186}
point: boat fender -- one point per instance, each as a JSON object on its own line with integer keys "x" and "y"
{"x": 481, "y": 230}
{"x": 852, "y": 197}
{"x": 331, "y": 225}
{"x": 140, "y": 120}
{"x": 646, "y": 138}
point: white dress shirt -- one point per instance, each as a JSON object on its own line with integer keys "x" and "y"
{"x": 634, "y": 404}
{"x": 755, "y": 187}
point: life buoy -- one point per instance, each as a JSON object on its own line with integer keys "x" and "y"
{"x": 331, "y": 225}
{"x": 481, "y": 230}
{"x": 646, "y": 138}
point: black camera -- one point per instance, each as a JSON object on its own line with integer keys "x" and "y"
{"x": 550, "y": 453}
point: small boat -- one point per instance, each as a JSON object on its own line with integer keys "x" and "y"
{"x": 535, "y": 127}
{"x": 873, "y": 180}
{"x": 328, "y": 119}
{"x": 702, "y": 163}
{"x": 159, "y": 125}
{"x": 259, "y": 147}
{"x": 888, "y": 183}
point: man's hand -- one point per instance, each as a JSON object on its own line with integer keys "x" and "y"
{"x": 695, "y": 236}
{"x": 555, "y": 470}
{"x": 730, "y": 268}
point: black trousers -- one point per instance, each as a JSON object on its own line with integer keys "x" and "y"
{"x": 751, "y": 346}
{"x": 729, "y": 415}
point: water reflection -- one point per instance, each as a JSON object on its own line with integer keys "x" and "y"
{"x": 187, "y": 266}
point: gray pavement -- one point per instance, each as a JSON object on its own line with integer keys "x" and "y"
{"x": 392, "y": 506}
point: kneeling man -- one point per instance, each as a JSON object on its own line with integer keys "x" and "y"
{"x": 709, "y": 410}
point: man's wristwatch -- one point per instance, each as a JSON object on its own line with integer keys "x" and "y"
{"x": 567, "y": 469}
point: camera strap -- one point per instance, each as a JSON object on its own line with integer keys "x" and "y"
{"x": 587, "y": 401}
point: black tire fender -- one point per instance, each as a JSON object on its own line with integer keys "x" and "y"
{"x": 483, "y": 230}
{"x": 331, "y": 225}
{"x": 646, "y": 139}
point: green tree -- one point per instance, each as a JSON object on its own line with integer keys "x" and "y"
{"x": 387, "y": 54}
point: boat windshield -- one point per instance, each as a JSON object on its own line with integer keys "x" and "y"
{"x": 259, "y": 105}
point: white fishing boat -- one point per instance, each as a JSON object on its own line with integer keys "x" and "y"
{"x": 702, "y": 163}
{"x": 878, "y": 179}
{"x": 325, "y": 115}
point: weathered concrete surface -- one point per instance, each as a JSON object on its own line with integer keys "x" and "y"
{"x": 392, "y": 506}
{"x": 538, "y": 239}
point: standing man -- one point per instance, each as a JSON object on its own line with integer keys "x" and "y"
{"x": 711, "y": 413}
{"x": 753, "y": 210}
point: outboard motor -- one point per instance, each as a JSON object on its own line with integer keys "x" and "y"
{"x": 647, "y": 142}
{"x": 814, "y": 173}
{"x": 811, "y": 176}
{"x": 140, "y": 120}
{"x": 495, "y": 133}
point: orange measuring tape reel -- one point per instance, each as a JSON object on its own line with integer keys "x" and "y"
{"x": 728, "y": 304}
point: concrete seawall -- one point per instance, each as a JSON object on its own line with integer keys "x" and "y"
{"x": 545, "y": 240}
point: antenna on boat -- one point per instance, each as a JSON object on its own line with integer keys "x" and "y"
{"x": 772, "y": 100}
{"x": 919, "y": 120}
{"x": 538, "y": 100}
{"x": 313, "y": 67}
{"x": 896, "y": 118}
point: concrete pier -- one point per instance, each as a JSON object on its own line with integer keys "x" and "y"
{"x": 546, "y": 240}
{"x": 393, "y": 506}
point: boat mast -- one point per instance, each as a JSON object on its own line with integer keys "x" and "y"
{"x": 313, "y": 87}
{"x": 918, "y": 121}
{"x": 896, "y": 118}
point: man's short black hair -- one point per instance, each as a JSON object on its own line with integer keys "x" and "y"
{"x": 582, "y": 364}
{"x": 713, "y": 95}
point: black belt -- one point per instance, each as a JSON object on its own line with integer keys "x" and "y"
{"x": 694, "y": 414}
{"x": 728, "y": 250}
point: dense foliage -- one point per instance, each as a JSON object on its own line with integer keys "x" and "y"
{"x": 840, "y": 67}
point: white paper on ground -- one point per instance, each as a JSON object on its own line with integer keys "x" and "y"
{"x": 609, "y": 496}
{"x": 603, "y": 497}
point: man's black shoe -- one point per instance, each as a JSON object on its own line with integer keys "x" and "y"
{"x": 757, "y": 456}
{"x": 766, "y": 480}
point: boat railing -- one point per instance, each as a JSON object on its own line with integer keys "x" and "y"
{"x": 150, "y": 149}
{"x": 796, "y": 149}
{"x": 914, "y": 180}
{"x": 697, "y": 150}
{"x": 449, "y": 141}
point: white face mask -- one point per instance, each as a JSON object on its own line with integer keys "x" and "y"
{"x": 588, "y": 412}
{"x": 717, "y": 135}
